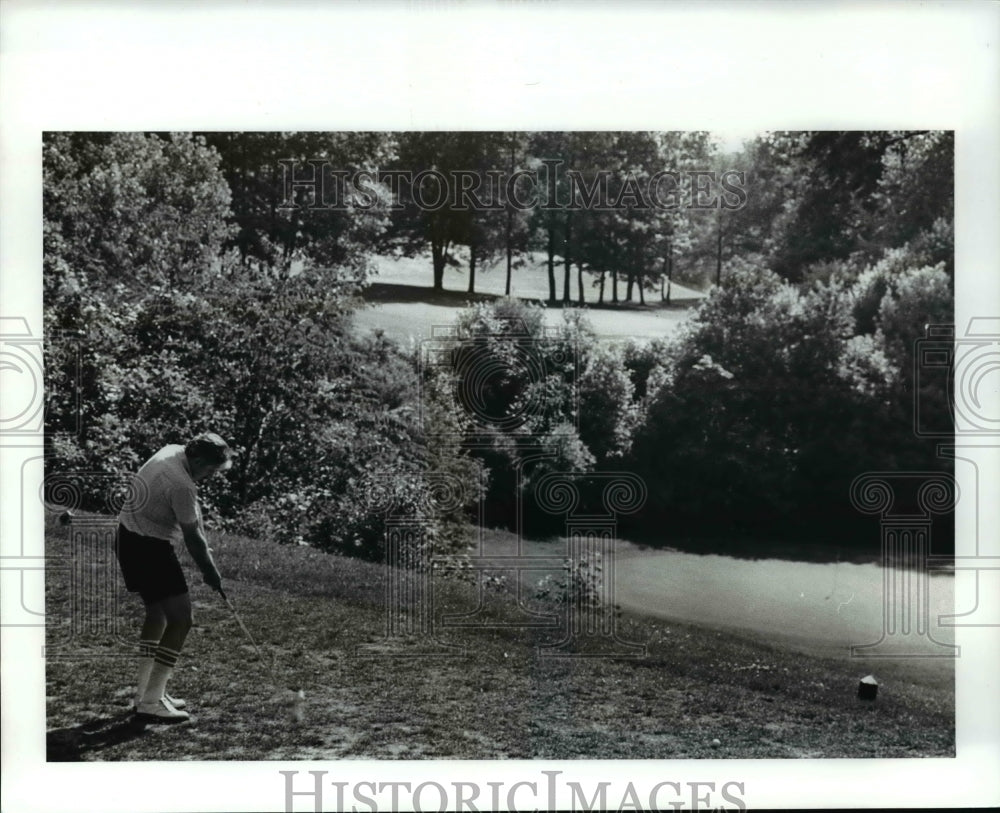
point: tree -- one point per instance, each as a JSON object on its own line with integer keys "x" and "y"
{"x": 516, "y": 229}
{"x": 590, "y": 185}
{"x": 487, "y": 227}
{"x": 862, "y": 193}
{"x": 296, "y": 197}
{"x": 776, "y": 180}
{"x": 607, "y": 408}
{"x": 550, "y": 150}
{"x": 915, "y": 201}
{"x": 428, "y": 215}
{"x": 758, "y": 419}
{"x": 512, "y": 383}
{"x": 321, "y": 421}
{"x": 133, "y": 209}
{"x": 675, "y": 228}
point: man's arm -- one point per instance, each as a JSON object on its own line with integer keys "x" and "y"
{"x": 197, "y": 545}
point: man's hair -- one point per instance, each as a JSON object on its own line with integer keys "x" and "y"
{"x": 209, "y": 448}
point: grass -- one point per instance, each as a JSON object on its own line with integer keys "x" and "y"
{"x": 498, "y": 700}
{"x": 404, "y": 306}
{"x": 530, "y": 281}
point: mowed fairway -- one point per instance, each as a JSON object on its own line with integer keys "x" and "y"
{"x": 402, "y": 304}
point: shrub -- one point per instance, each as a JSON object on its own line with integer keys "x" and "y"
{"x": 511, "y": 384}
{"x": 607, "y": 406}
{"x": 323, "y": 425}
{"x": 132, "y": 209}
{"x": 580, "y": 585}
{"x": 754, "y": 424}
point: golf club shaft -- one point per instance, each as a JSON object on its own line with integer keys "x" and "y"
{"x": 267, "y": 665}
{"x": 246, "y": 632}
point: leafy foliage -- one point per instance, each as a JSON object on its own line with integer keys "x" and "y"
{"x": 139, "y": 210}
{"x": 183, "y": 293}
{"x": 290, "y": 205}
{"x": 770, "y": 404}
{"x": 580, "y": 586}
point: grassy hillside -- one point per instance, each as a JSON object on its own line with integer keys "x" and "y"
{"x": 530, "y": 281}
{"x": 500, "y": 700}
{"x": 404, "y": 306}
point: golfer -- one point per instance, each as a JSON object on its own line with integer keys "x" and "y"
{"x": 163, "y": 507}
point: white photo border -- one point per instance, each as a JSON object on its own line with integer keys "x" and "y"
{"x": 737, "y": 67}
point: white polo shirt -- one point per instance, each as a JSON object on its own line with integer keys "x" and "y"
{"x": 165, "y": 497}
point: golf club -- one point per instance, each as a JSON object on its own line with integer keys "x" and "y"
{"x": 297, "y": 696}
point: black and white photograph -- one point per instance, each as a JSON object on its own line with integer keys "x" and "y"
{"x": 566, "y": 444}
{"x": 485, "y": 461}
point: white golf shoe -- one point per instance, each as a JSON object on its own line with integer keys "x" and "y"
{"x": 176, "y": 702}
{"x": 160, "y": 711}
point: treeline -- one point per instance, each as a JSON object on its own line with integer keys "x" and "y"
{"x": 182, "y": 293}
{"x": 750, "y": 424}
{"x": 604, "y": 208}
{"x": 620, "y": 212}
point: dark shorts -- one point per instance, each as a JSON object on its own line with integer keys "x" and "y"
{"x": 150, "y": 566}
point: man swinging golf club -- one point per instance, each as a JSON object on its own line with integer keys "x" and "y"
{"x": 162, "y": 507}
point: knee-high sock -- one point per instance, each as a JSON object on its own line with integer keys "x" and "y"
{"x": 147, "y": 651}
{"x": 163, "y": 664}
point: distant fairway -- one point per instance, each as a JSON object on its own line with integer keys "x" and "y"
{"x": 404, "y": 306}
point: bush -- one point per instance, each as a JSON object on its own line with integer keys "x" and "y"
{"x": 132, "y": 209}
{"x": 758, "y": 422}
{"x": 608, "y": 410}
{"x": 323, "y": 425}
{"x": 511, "y": 386}
{"x": 580, "y": 586}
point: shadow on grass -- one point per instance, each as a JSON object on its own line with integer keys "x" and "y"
{"x": 752, "y": 549}
{"x": 73, "y": 744}
{"x": 382, "y": 292}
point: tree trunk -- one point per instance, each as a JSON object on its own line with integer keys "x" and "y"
{"x": 566, "y": 260}
{"x": 614, "y": 286}
{"x": 579, "y": 281}
{"x": 510, "y": 251}
{"x": 628, "y": 286}
{"x": 670, "y": 271}
{"x": 551, "y": 263}
{"x": 510, "y": 229}
{"x": 718, "y": 254}
{"x": 472, "y": 269}
{"x": 437, "y": 257}
{"x": 642, "y": 295}
{"x": 600, "y": 297}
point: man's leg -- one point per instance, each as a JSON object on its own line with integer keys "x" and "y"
{"x": 149, "y": 639}
{"x": 177, "y": 611}
{"x": 155, "y": 623}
